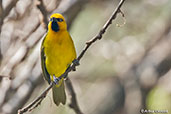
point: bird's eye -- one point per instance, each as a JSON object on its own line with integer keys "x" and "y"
{"x": 60, "y": 19}
{"x": 56, "y": 19}
{"x": 51, "y": 19}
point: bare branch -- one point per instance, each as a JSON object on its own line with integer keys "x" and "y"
{"x": 36, "y": 102}
{"x": 75, "y": 62}
{"x": 102, "y": 31}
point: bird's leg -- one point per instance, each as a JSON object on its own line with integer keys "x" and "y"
{"x": 76, "y": 63}
{"x": 56, "y": 79}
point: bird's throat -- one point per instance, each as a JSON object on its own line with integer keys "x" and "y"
{"x": 55, "y": 26}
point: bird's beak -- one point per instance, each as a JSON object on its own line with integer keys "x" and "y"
{"x": 54, "y": 25}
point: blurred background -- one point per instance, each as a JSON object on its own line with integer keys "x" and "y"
{"x": 128, "y": 70}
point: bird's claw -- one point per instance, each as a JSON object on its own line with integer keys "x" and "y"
{"x": 56, "y": 79}
{"x": 76, "y": 63}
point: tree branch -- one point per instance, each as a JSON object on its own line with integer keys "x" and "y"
{"x": 75, "y": 63}
{"x": 36, "y": 102}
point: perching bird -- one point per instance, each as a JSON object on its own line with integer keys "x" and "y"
{"x": 57, "y": 53}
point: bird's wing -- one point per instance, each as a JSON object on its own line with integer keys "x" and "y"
{"x": 46, "y": 75}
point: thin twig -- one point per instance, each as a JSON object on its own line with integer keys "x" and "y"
{"x": 36, "y": 102}
{"x": 75, "y": 63}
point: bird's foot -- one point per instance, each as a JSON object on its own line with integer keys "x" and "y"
{"x": 56, "y": 79}
{"x": 76, "y": 63}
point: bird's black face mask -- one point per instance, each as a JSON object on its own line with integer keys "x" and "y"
{"x": 55, "y": 26}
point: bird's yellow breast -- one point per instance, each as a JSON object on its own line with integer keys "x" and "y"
{"x": 59, "y": 52}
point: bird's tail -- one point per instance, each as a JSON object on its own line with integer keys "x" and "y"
{"x": 59, "y": 95}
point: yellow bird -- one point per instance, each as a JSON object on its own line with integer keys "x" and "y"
{"x": 57, "y": 53}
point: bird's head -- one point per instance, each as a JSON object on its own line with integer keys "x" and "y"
{"x": 57, "y": 23}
